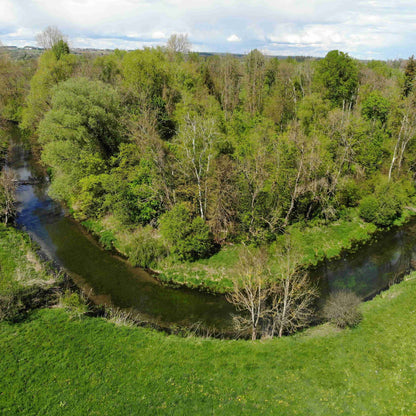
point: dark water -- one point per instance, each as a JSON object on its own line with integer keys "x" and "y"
{"x": 110, "y": 280}
{"x": 106, "y": 278}
{"x": 372, "y": 267}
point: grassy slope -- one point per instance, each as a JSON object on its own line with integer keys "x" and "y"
{"x": 19, "y": 264}
{"x": 316, "y": 241}
{"x": 52, "y": 365}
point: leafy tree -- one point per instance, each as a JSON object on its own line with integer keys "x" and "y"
{"x": 338, "y": 73}
{"x": 410, "y": 74}
{"x": 385, "y": 204}
{"x": 60, "y": 48}
{"x": 51, "y": 71}
{"x": 80, "y": 132}
{"x": 376, "y": 107}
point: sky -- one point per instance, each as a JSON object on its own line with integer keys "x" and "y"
{"x": 376, "y": 29}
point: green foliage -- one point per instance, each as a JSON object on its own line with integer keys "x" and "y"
{"x": 74, "y": 304}
{"x": 189, "y": 239}
{"x": 79, "y": 134}
{"x": 376, "y": 107}
{"x": 105, "y": 237}
{"x": 338, "y": 73}
{"x": 51, "y": 71}
{"x": 385, "y": 204}
{"x": 146, "y": 71}
{"x": 342, "y": 309}
{"x": 410, "y": 74}
{"x": 146, "y": 249}
{"x": 60, "y": 49}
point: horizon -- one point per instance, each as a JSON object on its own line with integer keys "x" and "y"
{"x": 364, "y": 29}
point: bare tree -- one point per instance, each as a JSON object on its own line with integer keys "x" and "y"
{"x": 7, "y": 196}
{"x": 178, "y": 42}
{"x": 195, "y": 143}
{"x": 406, "y": 133}
{"x": 251, "y": 290}
{"x": 49, "y": 37}
{"x": 275, "y": 298}
{"x": 292, "y": 293}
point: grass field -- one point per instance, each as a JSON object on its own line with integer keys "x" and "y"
{"x": 54, "y": 365}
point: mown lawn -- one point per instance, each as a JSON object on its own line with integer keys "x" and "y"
{"x": 54, "y": 365}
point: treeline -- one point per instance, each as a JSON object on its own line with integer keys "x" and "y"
{"x": 201, "y": 151}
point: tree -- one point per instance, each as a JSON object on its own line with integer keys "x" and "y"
{"x": 275, "y": 298}
{"x": 195, "y": 150}
{"x": 376, "y": 107}
{"x": 255, "y": 63}
{"x": 410, "y": 74}
{"x": 50, "y": 72}
{"x": 80, "y": 133}
{"x": 13, "y": 80}
{"x": 178, "y": 43}
{"x": 292, "y": 293}
{"x": 50, "y": 37}
{"x": 8, "y": 186}
{"x": 406, "y": 133}
{"x": 60, "y": 49}
{"x": 251, "y": 290}
{"x": 225, "y": 75}
{"x": 338, "y": 73}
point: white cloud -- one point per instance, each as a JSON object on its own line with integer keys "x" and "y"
{"x": 233, "y": 38}
{"x": 282, "y": 27}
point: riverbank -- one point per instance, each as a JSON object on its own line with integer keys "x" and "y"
{"x": 54, "y": 364}
{"x": 316, "y": 241}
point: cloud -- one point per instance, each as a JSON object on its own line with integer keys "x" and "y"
{"x": 281, "y": 27}
{"x": 233, "y": 38}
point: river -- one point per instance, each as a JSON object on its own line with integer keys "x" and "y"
{"x": 110, "y": 280}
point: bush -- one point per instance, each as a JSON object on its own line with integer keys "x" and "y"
{"x": 189, "y": 239}
{"x": 341, "y": 309}
{"x": 74, "y": 304}
{"x": 146, "y": 250}
{"x": 385, "y": 205}
{"x": 12, "y": 308}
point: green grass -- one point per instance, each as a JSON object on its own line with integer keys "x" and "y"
{"x": 54, "y": 365}
{"x": 19, "y": 264}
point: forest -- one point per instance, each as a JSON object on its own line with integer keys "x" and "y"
{"x": 171, "y": 157}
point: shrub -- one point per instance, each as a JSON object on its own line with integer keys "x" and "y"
{"x": 189, "y": 239}
{"x": 341, "y": 309}
{"x": 146, "y": 250}
{"x": 385, "y": 205}
{"x": 74, "y": 304}
{"x": 12, "y": 308}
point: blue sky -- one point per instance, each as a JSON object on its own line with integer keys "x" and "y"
{"x": 377, "y": 29}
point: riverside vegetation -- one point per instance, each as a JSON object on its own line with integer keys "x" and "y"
{"x": 180, "y": 161}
